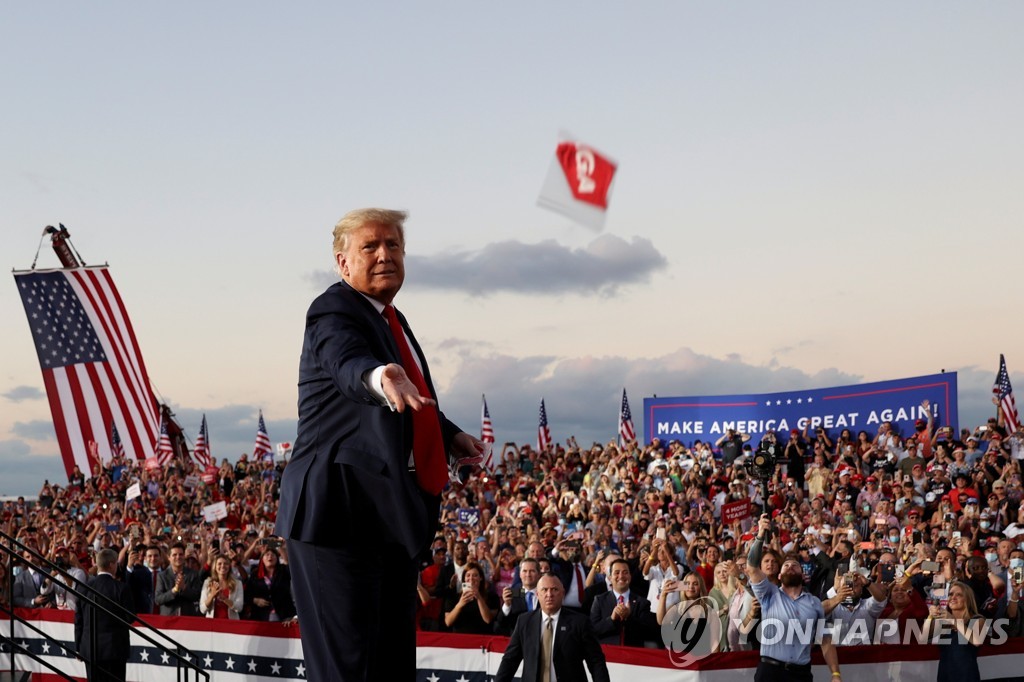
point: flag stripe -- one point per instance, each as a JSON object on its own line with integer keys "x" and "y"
{"x": 97, "y": 409}
{"x": 121, "y": 371}
{"x": 127, "y": 333}
{"x": 125, "y": 369}
{"x": 60, "y": 419}
{"x": 118, "y": 371}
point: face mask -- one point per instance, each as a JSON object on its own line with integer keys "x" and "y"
{"x": 894, "y": 539}
{"x": 1016, "y": 563}
{"x": 984, "y": 525}
{"x": 848, "y": 517}
{"x": 991, "y": 557}
{"x": 17, "y": 570}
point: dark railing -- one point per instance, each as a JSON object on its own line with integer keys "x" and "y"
{"x": 13, "y": 552}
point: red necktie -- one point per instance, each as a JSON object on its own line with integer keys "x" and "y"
{"x": 579, "y": 583}
{"x": 427, "y": 444}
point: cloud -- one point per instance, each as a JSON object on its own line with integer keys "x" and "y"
{"x": 19, "y": 393}
{"x": 37, "y": 429}
{"x": 602, "y": 267}
{"x": 22, "y": 473}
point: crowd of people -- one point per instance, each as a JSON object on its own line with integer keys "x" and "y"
{"x": 174, "y": 560}
{"x": 883, "y": 527}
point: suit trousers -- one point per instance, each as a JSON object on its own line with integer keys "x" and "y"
{"x": 106, "y": 671}
{"x": 357, "y": 611}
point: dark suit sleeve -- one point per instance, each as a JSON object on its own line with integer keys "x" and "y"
{"x": 593, "y": 654}
{"x": 164, "y": 587}
{"x": 337, "y": 337}
{"x": 513, "y": 654}
{"x": 600, "y": 619}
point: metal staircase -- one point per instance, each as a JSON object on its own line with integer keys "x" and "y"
{"x": 12, "y": 552}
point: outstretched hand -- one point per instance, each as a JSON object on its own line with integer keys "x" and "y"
{"x": 400, "y": 389}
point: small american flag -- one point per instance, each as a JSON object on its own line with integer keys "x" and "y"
{"x": 116, "y": 447}
{"x": 202, "y": 449}
{"x": 543, "y": 432}
{"x": 262, "y": 447}
{"x": 164, "y": 450}
{"x": 627, "y": 434}
{"x": 1004, "y": 392}
{"x": 486, "y": 433}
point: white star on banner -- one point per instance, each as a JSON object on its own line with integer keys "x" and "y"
{"x": 144, "y": 655}
{"x": 275, "y": 668}
{"x": 230, "y": 663}
{"x": 252, "y": 666}
{"x": 164, "y": 658}
{"x": 810, "y": 400}
{"x": 462, "y": 679}
{"x": 301, "y": 670}
{"x": 208, "y": 661}
{"x": 46, "y": 647}
{"x": 433, "y": 677}
{"x": 789, "y": 401}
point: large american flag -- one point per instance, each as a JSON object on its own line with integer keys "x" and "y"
{"x": 201, "y": 451}
{"x": 92, "y": 366}
{"x": 543, "y": 432}
{"x": 262, "y": 447}
{"x": 164, "y": 449}
{"x": 1004, "y": 392}
{"x": 627, "y": 434}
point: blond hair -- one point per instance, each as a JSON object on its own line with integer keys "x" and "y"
{"x": 353, "y": 220}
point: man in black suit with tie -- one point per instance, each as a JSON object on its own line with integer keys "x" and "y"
{"x": 361, "y": 494}
{"x": 102, "y": 639}
{"x": 618, "y": 615}
{"x": 518, "y": 600}
{"x": 553, "y": 639}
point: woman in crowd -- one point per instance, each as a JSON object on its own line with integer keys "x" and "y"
{"x": 726, "y": 586}
{"x": 222, "y": 595}
{"x": 958, "y": 650}
{"x": 268, "y": 591}
{"x": 905, "y": 605}
{"x": 661, "y": 566}
{"x": 691, "y": 607}
{"x": 472, "y": 611}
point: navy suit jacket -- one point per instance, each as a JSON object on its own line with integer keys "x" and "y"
{"x": 112, "y": 636}
{"x": 575, "y": 643}
{"x": 348, "y": 480}
{"x": 640, "y": 626}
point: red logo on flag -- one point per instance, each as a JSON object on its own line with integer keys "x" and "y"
{"x": 589, "y": 174}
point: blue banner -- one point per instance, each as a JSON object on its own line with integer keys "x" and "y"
{"x": 861, "y": 407}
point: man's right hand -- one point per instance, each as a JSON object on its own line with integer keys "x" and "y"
{"x": 506, "y": 596}
{"x": 400, "y": 389}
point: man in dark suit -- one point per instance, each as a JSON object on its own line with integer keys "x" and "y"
{"x": 620, "y": 616}
{"x": 141, "y": 573}
{"x": 102, "y": 639}
{"x": 361, "y": 494}
{"x": 32, "y": 589}
{"x": 178, "y": 587}
{"x": 515, "y": 601}
{"x": 553, "y": 639}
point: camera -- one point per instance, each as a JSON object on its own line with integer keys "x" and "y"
{"x": 761, "y": 465}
